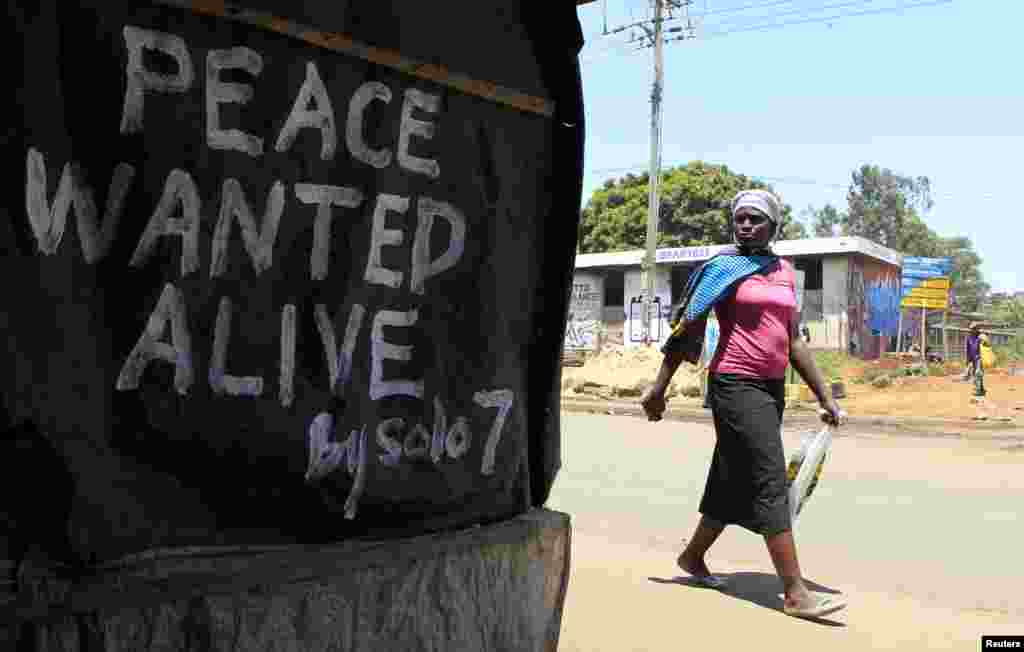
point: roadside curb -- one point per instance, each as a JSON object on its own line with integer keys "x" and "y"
{"x": 796, "y": 415}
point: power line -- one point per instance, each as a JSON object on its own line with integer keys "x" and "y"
{"x": 857, "y": 14}
{"x": 806, "y": 11}
{"x": 706, "y": 12}
{"x": 624, "y": 49}
{"x": 733, "y": 10}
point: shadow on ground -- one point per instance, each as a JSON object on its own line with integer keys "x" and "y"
{"x": 762, "y": 589}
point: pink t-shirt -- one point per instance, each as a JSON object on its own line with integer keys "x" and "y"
{"x": 755, "y": 324}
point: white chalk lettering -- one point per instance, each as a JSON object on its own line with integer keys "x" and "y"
{"x": 381, "y": 350}
{"x": 459, "y": 438}
{"x": 221, "y": 382}
{"x": 440, "y": 431}
{"x": 221, "y": 92}
{"x": 360, "y": 455}
{"x": 422, "y": 266}
{"x": 169, "y": 308}
{"x": 139, "y": 81}
{"x": 381, "y": 236}
{"x": 181, "y": 190}
{"x": 49, "y": 220}
{"x": 339, "y": 365}
{"x": 354, "y": 128}
{"x": 302, "y": 117}
{"x": 325, "y": 326}
{"x": 356, "y": 450}
{"x": 417, "y": 99}
{"x": 287, "y": 382}
{"x": 324, "y": 197}
{"x": 325, "y": 455}
{"x": 417, "y": 443}
{"x": 501, "y": 399}
{"x": 348, "y": 346}
{"x": 390, "y": 433}
{"x": 259, "y": 243}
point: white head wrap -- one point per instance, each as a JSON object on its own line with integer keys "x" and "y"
{"x": 762, "y": 200}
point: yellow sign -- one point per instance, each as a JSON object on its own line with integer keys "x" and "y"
{"x": 927, "y": 293}
{"x": 934, "y": 284}
{"x": 919, "y": 302}
{"x": 932, "y": 293}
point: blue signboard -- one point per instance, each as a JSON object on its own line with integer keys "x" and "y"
{"x": 711, "y": 332}
{"x": 922, "y": 268}
{"x": 916, "y": 270}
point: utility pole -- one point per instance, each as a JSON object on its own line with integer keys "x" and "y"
{"x": 654, "y": 36}
{"x": 654, "y": 202}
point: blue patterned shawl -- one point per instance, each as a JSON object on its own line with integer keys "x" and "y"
{"x": 708, "y": 285}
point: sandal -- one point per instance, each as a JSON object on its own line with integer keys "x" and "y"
{"x": 710, "y": 581}
{"x": 823, "y": 606}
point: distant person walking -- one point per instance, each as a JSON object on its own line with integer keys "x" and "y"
{"x": 975, "y": 366}
{"x": 988, "y": 359}
{"x": 753, "y": 293}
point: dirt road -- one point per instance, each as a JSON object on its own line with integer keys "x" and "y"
{"x": 925, "y": 538}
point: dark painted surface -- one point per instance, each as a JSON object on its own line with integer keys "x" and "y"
{"x": 136, "y": 468}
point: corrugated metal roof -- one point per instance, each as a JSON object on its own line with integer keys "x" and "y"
{"x": 610, "y": 259}
{"x": 804, "y": 247}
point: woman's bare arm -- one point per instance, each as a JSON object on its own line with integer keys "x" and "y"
{"x": 803, "y": 361}
{"x": 653, "y": 400}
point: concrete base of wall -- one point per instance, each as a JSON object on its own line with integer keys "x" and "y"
{"x": 496, "y": 587}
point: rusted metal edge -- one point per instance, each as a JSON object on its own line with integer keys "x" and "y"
{"x": 343, "y": 44}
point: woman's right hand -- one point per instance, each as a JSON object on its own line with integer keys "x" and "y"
{"x": 831, "y": 413}
{"x": 653, "y": 403}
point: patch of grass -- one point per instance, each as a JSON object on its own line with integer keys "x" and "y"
{"x": 834, "y": 365}
{"x": 869, "y": 374}
{"x": 953, "y": 368}
{"x": 1012, "y": 352}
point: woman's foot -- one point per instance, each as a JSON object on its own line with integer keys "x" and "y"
{"x": 699, "y": 571}
{"x": 807, "y": 604}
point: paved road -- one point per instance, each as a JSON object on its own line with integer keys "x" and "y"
{"x": 925, "y": 537}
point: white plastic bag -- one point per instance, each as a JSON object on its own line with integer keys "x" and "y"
{"x": 805, "y": 467}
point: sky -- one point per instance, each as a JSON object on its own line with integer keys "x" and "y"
{"x": 934, "y": 91}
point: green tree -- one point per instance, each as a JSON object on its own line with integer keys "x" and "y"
{"x": 969, "y": 286}
{"x": 827, "y": 222}
{"x": 1008, "y": 310}
{"x": 694, "y": 210}
{"x": 917, "y": 239}
{"x": 885, "y": 207}
{"x": 793, "y": 230}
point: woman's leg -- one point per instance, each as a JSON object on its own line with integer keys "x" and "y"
{"x": 781, "y": 544}
{"x": 782, "y": 548}
{"x": 692, "y": 558}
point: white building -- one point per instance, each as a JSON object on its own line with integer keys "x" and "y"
{"x": 851, "y": 289}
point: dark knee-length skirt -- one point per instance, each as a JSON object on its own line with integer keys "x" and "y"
{"x": 746, "y": 484}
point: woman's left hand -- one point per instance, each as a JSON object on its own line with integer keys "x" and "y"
{"x": 831, "y": 413}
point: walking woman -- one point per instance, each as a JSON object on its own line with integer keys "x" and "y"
{"x": 753, "y": 294}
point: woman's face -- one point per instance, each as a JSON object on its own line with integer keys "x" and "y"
{"x": 752, "y": 228}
